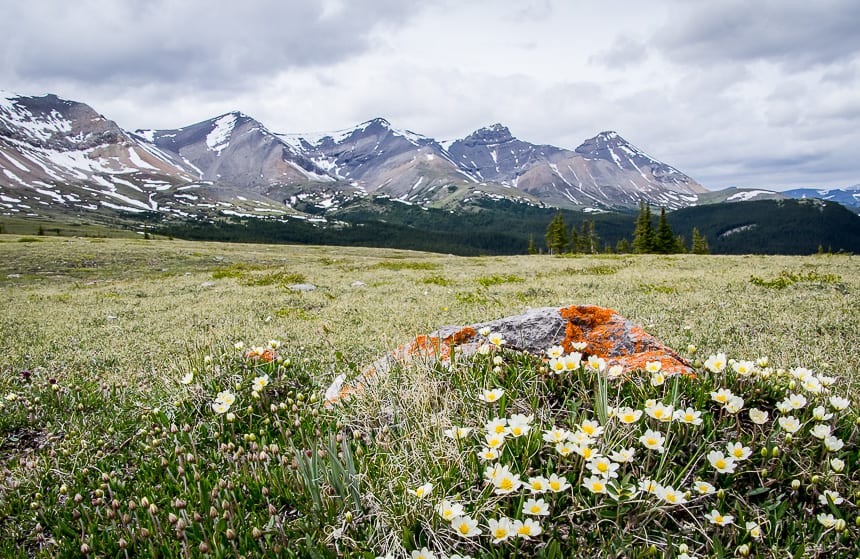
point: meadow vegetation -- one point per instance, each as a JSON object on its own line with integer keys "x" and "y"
{"x": 166, "y": 398}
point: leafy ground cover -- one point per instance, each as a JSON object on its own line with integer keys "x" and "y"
{"x": 164, "y": 398}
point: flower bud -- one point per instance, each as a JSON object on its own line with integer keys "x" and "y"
{"x": 839, "y": 526}
{"x": 743, "y": 550}
{"x": 795, "y": 484}
{"x": 85, "y": 549}
{"x": 775, "y": 452}
{"x": 230, "y": 534}
{"x": 256, "y": 533}
{"x": 814, "y": 479}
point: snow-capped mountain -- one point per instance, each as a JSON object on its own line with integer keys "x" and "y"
{"x": 849, "y": 197}
{"x": 59, "y": 153}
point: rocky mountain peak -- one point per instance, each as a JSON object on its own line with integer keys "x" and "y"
{"x": 488, "y": 135}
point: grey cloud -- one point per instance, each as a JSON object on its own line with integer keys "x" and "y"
{"x": 791, "y": 33}
{"x": 212, "y": 43}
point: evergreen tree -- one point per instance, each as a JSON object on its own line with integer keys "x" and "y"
{"x": 622, "y": 246}
{"x": 643, "y": 236}
{"x": 556, "y": 234}
{"x": 664, "y": 241}
{"x": 575, "y": 241}
{"x": 532, "y": 248}
{"x": 680, "y": 245}
{"x": 589, "y": 241}
{"x": 700, "y": 243}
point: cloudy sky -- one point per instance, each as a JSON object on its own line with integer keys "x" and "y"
{"x": 752, "y": 93}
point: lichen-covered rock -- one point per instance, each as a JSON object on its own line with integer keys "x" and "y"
{"x": 607, "y": 334}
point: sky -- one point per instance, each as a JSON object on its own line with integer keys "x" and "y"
{"x": 747, "y": 93}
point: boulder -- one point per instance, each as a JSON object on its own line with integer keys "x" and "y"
{"x": 606, "y": 333}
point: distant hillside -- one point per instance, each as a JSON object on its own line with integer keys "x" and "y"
{"x": 772, "y": 226}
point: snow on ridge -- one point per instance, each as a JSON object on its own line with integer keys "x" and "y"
{"x": 219, "y": 137}
{"x": 744, "y": 196}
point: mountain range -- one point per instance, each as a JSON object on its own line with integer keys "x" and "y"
{"x": 62, "y": 160}
{"x": 57, "y": 153}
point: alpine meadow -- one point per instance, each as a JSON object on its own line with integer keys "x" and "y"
{"x": 166, "y": 398}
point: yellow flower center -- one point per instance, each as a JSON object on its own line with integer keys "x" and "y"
{"x": 671, "y": 497}
{"x": 537, "y": 486}
{"x": 597, "y": 486}
{"x": 719, "y": 519}
{"x": 720, "y": 464}
{"x": 588, "y": 429}
{"x": 651, "y": 442}
{"x": 419, "y": 492}
{"x": 602, "y": 466}
{"x": 629, "y": 418}
{"x": 738, "y": 452}
{"x": 535, "y": 509}
{"x": 721, "y": 398}
{"x": 555, "y": 485}
{"x": 464, "y": 528}
{"x": 517, "y": 431}
{"x": 507, "y": 483}
{"x": 500, "y": 533}
{"x": 525, "y": 530}
{"x": 587, "y": 452}
{"x": 689, "y": 417}
{"x": 658, "y": 413}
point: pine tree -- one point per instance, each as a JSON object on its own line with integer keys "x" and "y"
{"x": 680, "y": 245}
{"x": 700, "y": 243}
{"x": 589, "y": 241}
{"x": 575, "y": 241}
{"x": 664, "y": 241}
{"x": 622, "y": 246}
{"x": 556, "y": 234}
{"x": 643, "y": 236}
{"x": 532, "y": 248}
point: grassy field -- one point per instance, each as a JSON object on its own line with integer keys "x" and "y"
{"x": 106, "y": 328}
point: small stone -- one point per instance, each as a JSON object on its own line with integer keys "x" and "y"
{"x": 207, "y": 284}
{"x": 301, "y": 287}
{"x": 358, "y": 284}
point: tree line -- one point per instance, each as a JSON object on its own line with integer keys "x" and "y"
{"x": 646, "y": 238}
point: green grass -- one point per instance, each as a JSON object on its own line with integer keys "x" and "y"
{"x": 100, "y": 421}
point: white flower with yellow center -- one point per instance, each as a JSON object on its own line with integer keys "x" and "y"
{"x": 501, "y": 529}
{"x": 789, "y": 423}
{"x": 839, "y": 403}
{"x": 506, "y": 482}
{"x": 670, "y": 495}
{"x": 557, "y": 483}
{"x": 565, "y": 448}
{"x": 653, "y": 440}
{"x": 660, "y": 411}
{"x": 722, "y": 463}
{"x": 722, "y": 396}
{"x": 602, "y": 466}
{"x": 527, "y": 528}
{"x": 484, "y": 331}
{"x": 555, "y": 435}
{"x": 555, "y": 351}
{"x": 488, "y": 454}
{"x": 422, "y": 491}
{"x": 581, "y": 438}
{"x": 220, "y": 407}
{"x": 538, "y": 484}
{"x": 519, "y": 424}
{"x": 448, "y": 510}
{"x": 484, "y": 349}
{"x": 738, "y": 451}
{"x": 596, "y": 364}
{"x": 579, "y": 346}
{"x": 466, "y": 527}
{"x": 826, "y": 381}
{"x": 556, "y": 365}
{"x": 826, "y": 519}
{"x": 595, "y": 484}
{"x": 572, "y": 361}
{"x": 496, "y": 426}
{"x": 704, "y": 488}
{"x": 259, "y": 383}
{"x": 536, "y": 507}
{"x": 457, "y": 432}
{"x": 628, "y": 415}
{"x": 615, "y": 371}
{"x": 833, "y": 444}
{"x": 754, "y": 530}
{"x": 591, "y": 428}
{"x": 423, "y": 553}
{"x": 801, "y": 373}
{"x": 491, "y": 396}
{"x": 653, "y": 366}
{"x": 714, "y": 517}
{"x": 795, "y": 401}
{"x": 812, "y": 385}
{"x": 239, "y": 346}
{"x": 837, "y": 465}
{"x": 187, "y": 378}
{"x": 647, "y": 485}
{"x": 623, "y": 455}
{"x": 820, "y": 431}
{"x": 716, "y": 363}
{"x": 819, "y": 413}
{"x": 689, "y": 416}
{"x": 226, "y": 397}
{"x": 744, "y": 368}
{"x": 657, "y": 379}
{"x": 494, "y": 440}
{"x": 496, "y": 339}
{"x": 734, "y": 405}
{"x": 586, "y": 451}
{"x": 758, "y": 416}
{"x": 829, "y": 496}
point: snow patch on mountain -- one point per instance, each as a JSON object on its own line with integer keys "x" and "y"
{"x": 219, "y": 137}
